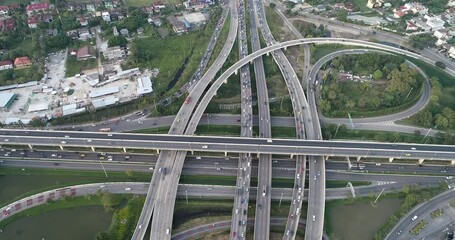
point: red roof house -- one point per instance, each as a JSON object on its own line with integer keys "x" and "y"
{"x": 4, "y": 10}
{"x": 33, "y": 21}
{"x": 83, "y": 53}
{"x": 22, "y": 62}
{"x": 6, "y": 64}
{"x": 37, "y": 7}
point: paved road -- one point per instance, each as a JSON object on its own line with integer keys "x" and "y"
{"x": 230, "y": 144}
{"x": 163, "y": 185}
{"x": 406, "y": 223}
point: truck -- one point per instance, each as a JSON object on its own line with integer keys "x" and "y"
{"x": 105, "y": 129}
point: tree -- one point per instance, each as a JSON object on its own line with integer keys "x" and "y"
{"x": 422, "y": 41}
{"x": 272, "y": 5}
{"x": 342, "y": 15}
{"x": 117, "y": 41}
{"x": 377, "y": 75}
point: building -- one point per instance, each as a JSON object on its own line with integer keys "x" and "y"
{"x": 177, "y": 26}
{"x": 106, "y": 16}
{"x": 83, "y": 21}
{"x": 7, "y": 25}
{"x": 374, "y": 3}
{"x": 84, "y": 53}
{"x": 22, "y": 62}
{"x": 84, "y": 34}
{"x": 104, "y": 102}
{"x": 113, "y": 53}
{"x": 410, "y": 26}
{"x": 4, "y": 10}
{"x": 6, "y": 64}
{"x": 441, "y": 33}
{"x": 72, "y": 34}
{"x": 435, "y": 22}
{"x": 103, "y": 92}
{"x": 90, "y": 7}
{"x": 33, "y": 21}
{"x": 38, "y": 107}
{"x": 37, "y": 7}
{"x": 6, "y": 100}
{"x": 144, "y": 85}
{"x": 124, "y": 32}
{"x": 196, "y": 19}
{"x": 71, "y": 109}
{"x": 452, "y": 52}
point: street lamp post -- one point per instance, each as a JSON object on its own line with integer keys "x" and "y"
{"x": 104, "y": 170}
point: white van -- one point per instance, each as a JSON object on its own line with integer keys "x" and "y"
{"x": 414, "y": 218}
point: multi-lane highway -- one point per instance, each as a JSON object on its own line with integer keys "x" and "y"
{"x": 427, "y": 152}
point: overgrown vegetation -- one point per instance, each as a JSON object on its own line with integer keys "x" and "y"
{"x": 368, "y": 84}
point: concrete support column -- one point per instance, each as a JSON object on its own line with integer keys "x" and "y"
{"x": 192, "y": 152}
{"x": 358, "y": 158}
{"x": 326, "y": 157}
{"x": 285, "y": 48}
{"x": 268, "y": 53}
{"x": 30, "y": 146}
{"x": 349, "y": 162}
{"x": 236, "y": 72}
{"x": 124, "y": 150}
{"x": 251, "y": 62}
{"x": 158, "y": 151}
{"x": 452, "y": 162}
{"x": 421, "y": 161}
{"x": 292, "y": 155}
{"x": 390, "y": 159}
{"x": 225, "y": 154}
{"x": 93, "y": 149}
{"x": 61, "y": 147}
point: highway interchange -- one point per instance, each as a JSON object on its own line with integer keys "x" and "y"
{"x": 163, "y": 188}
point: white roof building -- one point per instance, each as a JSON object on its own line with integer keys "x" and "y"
{"x": 103, "y": 102}
{"x": 15, "y": 120}
{"x": 71, "y": 109}
{"x": 103, "y": 91}
{"x": 36, "y": 107}
{"x": 196, "y": 18}
{"x": 144, "y": 85}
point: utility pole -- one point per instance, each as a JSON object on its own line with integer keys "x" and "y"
{"x": 105, "y": 173}
{"x": 281, "y": 198}
{"x": 408, "y": 94}
{"x": 337, "y": 130}
{"x": 186, "y": 195}
{"x": 378, "y": 196}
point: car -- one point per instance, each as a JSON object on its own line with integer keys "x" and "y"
{"x": 127, "y": 189}
{"x": 66, "y": 136}
{"x": 413, "y": 148}
{"x": 407, "y": 154}
{"x": 54, "y": 155}
{"x": 314, "y": 218}
{"x": 449, "y": 177}
{"x": 89, "y": 140}
{"x": 414, "y": 218}
{"x": 314, "y": 177}
{"x": 378, "y": 164}
{"x": 102, "y": 186}
{"x": 205, "y": 146}
{"x": 63, "y": 142}
{"x": 198, "y": 158}
{"x": 151, "y": 168}
{"x": 109, "y": 135}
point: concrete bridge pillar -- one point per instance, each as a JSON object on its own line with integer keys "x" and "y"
{"x": 61, "y": 147}
{"x": 421, "y": 161}
{"x": 358, "y": 158}
{"x": 349, "y": 162}
{"x": 257, "y": 155}
{"x": 158, "y": 151}
{"x": 268, "y": 53}
{"x": 93, "y": 149}
{"x": 236, "y": 72}
{"x": 225, "y": 154}
{"x": 285, "y": 48}
{"x": 390, "y": 159}
{"x": 192, "y": 152}
{"x": 452, "y": 162}
{"x": 292, "y": 155}
{"x": 251, "y": 62}
{"x": 30, "y": 146}
{"x": 124, "y": 150}
{"x": 326, "y": 157}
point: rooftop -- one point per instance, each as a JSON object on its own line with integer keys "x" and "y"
{"x": 103, "y": 91}
{"x": 6, "y": 98}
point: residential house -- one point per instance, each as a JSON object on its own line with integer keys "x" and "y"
{"x": 108, "y": 5}
{"x": 435, "y": 22}
{"x": 84, "y": 53}
{"x": 411, "y": 27}
{"x": 90, "y": 7}
{"x": 8, "y": 25}
{"x": 451, "y": 3}
{"x": 157, "y": 6}
{"x": 113, "y": 53}
{"x": 83, "y": 21}
{"x": 441, "y": 33}
{"x": 177, "y": 26}
{"x": 399, "y": 14}
{"x": 4, "y": 10}
{"x": 72, "y": 34}
{"x": 349, "y": 6}
{"x": 416, "y": 7}
{"x": 33, "y": 21}
{"x": 140, "y": 31}
{"x": 106, "y": 16}
{"x": 6, "y": 64}
{"x": 84, "y": 34}
{"x": 37, "y": 7}
{"x": 148, "y": 9}
{"x": 338, "y": 6}
{"x": 47, "y": 18}
{"x": 375, "y": 3}
{"x": 115, "y": 31}
{"x": 22, "y": 62}
{"x": 422, "y": 25}
{"x": 452, "y": 52}
{"x": 124, "y": 32}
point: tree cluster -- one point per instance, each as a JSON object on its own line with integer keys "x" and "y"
{"x": 364, "y": 64}
{"x": 422, "y": 41}
{"x": 311, "y": 30}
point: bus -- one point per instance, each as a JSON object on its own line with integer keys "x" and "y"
{"x": 105, "y": 129}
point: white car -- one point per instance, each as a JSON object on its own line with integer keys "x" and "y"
{"x": 89, "y": 140}
{"x": 127, "y": 189}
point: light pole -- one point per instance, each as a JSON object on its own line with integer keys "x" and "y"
{"x": 281, "y": 198}
{"x": 408, "y": 94}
